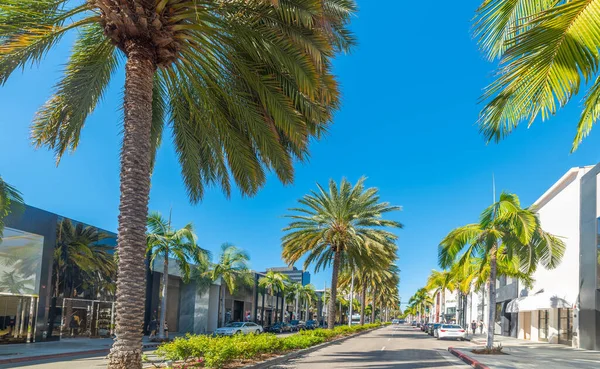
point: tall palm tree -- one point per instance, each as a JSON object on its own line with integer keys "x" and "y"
{"x": 232, "y": 269}
{"x": 10, "y": 198}
{"x": 293, "y": 293}
{"x": 504, "y": 229}
{"x": 243, "y": 85}
{"x": 338, "y": 227}
{"x": 440, "y": 282}
{"x": 164, "y": 242}
{"x": 307, "y": 295}
{"x": 275, "y": 283}
{"x": 547, "y": 49}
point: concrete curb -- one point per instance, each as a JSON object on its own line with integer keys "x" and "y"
{"x": 295, "y": 354}
{"x": 66, "y": 354}
{"x": 467, "y": 359}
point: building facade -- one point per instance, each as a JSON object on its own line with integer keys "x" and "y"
{"x": 294, "y": 274}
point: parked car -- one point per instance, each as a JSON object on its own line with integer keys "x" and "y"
{"x": 402, "y": 321}
{"x": 452, "y": 331}
{"x": 279, "y": 328}
{"x": 297, "y": 325}
{"x": 413, "y": 323}
{"x": 311, "y": 324}
{"x": 432, "y": 328}
{"x": 239, "y": 328}
{"x": 395, "y": 321}
{"x": 425, "y": 327}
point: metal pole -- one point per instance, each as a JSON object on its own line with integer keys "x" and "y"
{"x": 351, "y": 300}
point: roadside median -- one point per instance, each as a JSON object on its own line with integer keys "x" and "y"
{"x": 250, "y": 351}
{"x": 467, "y": 359}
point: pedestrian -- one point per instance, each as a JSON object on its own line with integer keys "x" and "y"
{"x": 481, "y": 327}
{"x": 166, "y": 331}
{"x": 152, "y": 328}
{"x": 473, "y": 326}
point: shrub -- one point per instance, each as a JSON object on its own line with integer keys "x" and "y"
{"x": 218, "y": 351}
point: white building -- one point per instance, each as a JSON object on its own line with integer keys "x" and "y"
{"x": 549, "y": 311}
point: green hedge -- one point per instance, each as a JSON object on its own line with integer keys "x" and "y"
{"x": 214, "y": 352}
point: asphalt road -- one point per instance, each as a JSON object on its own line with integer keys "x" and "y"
{"x": 398, "y": 347}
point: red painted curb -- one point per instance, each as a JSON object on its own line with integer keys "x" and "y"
{"x": 467, "y": 359}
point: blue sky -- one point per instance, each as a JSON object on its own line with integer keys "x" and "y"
{"x": 407, "y": 123}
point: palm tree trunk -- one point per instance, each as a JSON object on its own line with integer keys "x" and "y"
{"x": 373, "y": 305}
{"x": 296, "y": 308}
{"x": 163, "y": 302}
{"x": 492, "y": 300}
{"x": 363, "y": 300}
{"x": 443, "y": 312}
{"x": 126, "y": 352}
{"x": 337, "y": 258}
{"x": 276, "y": 307}
{"x": 222, "y": 303}
{"x": 262, "y": 314}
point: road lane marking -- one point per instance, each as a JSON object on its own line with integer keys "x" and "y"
{"x": 383, "y": 348}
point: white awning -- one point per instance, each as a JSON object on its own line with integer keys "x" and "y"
{"x": 540, "y": 301}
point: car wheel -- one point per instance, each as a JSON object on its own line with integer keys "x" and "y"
{"x": 280, "y": 330}
{"x": 257, "y": 331}
{"x": 238, "y": 332}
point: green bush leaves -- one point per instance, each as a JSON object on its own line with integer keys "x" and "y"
{"x": 215, "y": 352}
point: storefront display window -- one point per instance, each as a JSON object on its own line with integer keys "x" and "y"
{"x": 543, "y": 325}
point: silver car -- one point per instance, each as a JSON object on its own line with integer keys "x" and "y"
{"x": 239, "y": 328}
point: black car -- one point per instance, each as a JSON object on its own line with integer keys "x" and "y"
{"x": 432, "y": 328}
{"x": 279, "y": 328}
{"x": 297, "y": 325}
{"x": 425, "y": 327}
{"x": 311, "y": 324}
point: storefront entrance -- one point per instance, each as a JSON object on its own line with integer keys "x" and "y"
{"x": 17, "y": 318}
{"x": 87, "y": 318}
{"x": 543, "y": 325}
{"x": 565, "y": 326}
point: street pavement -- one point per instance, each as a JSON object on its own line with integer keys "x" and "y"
{"x": 397, "y": 347}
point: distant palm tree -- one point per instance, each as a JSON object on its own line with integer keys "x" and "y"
{"x": 10, "y": 198}
{"x": 232, "y": 269}
{"x": 340, "y": 227}
{"x": 244, "y": 86}
{"x": 439, "y": 283}
{"x": 275, "y": 283}
{"x": 293, "y": 294}
{"x": 504, "y": 229}
{"x": 164, "y": 242}
{"x": 307, "y": 294}
{"x": 548, "y": 51}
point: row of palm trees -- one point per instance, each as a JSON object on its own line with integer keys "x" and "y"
{"x": 244, "y": 87}
{"x": 507, "y": 241}
{"x": 342, "y": 227}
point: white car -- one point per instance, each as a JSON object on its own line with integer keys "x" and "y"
{"x": 451, "y": 331}
{"x": 239, "y": 328}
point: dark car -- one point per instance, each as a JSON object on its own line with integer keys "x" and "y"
{"x": 279, "y": 328}
{"x": 311, "y": 324}
{"x": 432, "y": 328}
{"x": 297, "y": 325}
{"x": 425, "y": 327}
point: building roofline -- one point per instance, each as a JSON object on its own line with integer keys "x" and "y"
{"x": 559, "y": 185}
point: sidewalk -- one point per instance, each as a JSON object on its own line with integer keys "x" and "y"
{"x": 522, "y": 354}
{"x": 23, "y": 352}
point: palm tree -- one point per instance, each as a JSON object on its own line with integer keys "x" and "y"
{"x": 340, "y": 227}
{"x": 275, "y": 282}
{"x": 505, "y": 229}
{"x": 243, "y": 85}
{"x": 293, "y": 294}
{"x": 10, "y": 198}
{"x": 307, "y": 294}
{"x": 440, "y": 282}
{"x": 547, "y": 50}
{"x": 232, "y": 269}
{"x": 164, "y": 242}
{"x": 420, "y": 302}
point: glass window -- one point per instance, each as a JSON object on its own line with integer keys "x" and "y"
{"x": 543, "y": 325}
{"x": 20, "y": 262}
{"x": 565, "y": 326}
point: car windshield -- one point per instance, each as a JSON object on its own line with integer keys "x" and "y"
{"x": 294, "y": 321}
{"x": 234, "y": 325}
{"x": 436, "y": 325}
{"x": 451, "y": 326}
